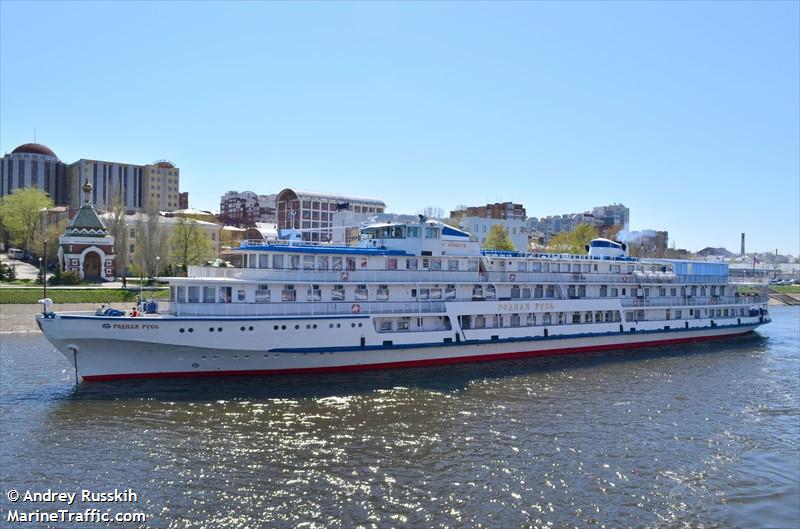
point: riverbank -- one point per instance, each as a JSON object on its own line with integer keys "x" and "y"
{"x": 10, "y": 295}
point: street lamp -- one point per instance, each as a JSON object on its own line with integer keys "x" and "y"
{"x": 158, "y": 261}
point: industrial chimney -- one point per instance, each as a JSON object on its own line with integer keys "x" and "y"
{"x": 743, "y": 244}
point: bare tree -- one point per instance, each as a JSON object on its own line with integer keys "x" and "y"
{"x": 119, "y": 230}
{"x": 151, "y": 241}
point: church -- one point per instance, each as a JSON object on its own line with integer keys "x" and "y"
{"x": 86, "y": 247}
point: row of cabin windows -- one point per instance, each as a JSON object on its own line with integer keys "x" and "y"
{"x": 263, "y": 293}
{"x": 640, "y": 315}
{"x": 532, "y": 319}
{"x": 325, "y": 262}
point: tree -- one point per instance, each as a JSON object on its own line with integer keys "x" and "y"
{"x": 51, "y": 234}
{"x": 21, "y": 214}
{"x": 118, "y": 229}
{"x": 498, "y": 239}
{"x": 150, "y": 241}
{"x": 188, "y": 244}
{"x": 574, "y": 241}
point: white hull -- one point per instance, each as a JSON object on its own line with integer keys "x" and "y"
{"x": 114, "y": 348}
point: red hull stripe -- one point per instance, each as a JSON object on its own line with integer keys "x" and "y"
{"x": 407, "y": 363}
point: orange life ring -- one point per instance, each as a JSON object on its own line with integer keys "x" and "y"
{"x": 345, "y": 276}
{"x": 512, "y": 276}
{"x": 356, "y": 308}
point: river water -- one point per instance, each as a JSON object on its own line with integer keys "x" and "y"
{"x": 704, "y": 435}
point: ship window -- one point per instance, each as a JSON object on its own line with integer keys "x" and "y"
{"x": 386, "y": 325}
{"x": 582, "y": 291}
{"x": 522, "y": 266}
{"x": 491, "y": 292}
{"x": 209, "y": 294}
{"x": 551, "y": 291}
{"x": 308, "y": 262}
{"x": 673, "y": 292}
{"x": 403, "y": 324}
{"x": 424, "y": 293}
{"x": 172, "y": 293}
{"x": 436, "y": 293}
{"x": 391, "y": 263}
{"x": 363, "y": 263}
{"x": 263, "y": 261}
{"x": 262, "y": 294}
{"x": 677, "y": 314}
{"x": 241, "y": 295}
{"x": 515, "y": 292}
{"x": 547, "y": 318}
{"x": 515, "y": 320}
{"x": 452, "y": 264}
{"x": 480, "y": 322}
{"x": 436, "y": 264}
{"x": 383, "y": 293}
{"x": 603, "y": 291}
{"x": 530, "y": 319}
{"x": 294, "y": 262}
{"x": 193, "y": 294}
{"x": 180, "y": 294}
{"x": 314, "y": 293}
{"x": 431, "y": 233}
{"x": 412, "y": 264}
{"x": 526, "y": 292}
{"x": 322, "y": 262}
{"x": 351, "y": 263}
{"x": 252, "y": 260}
{"x": 538, "y": 292}
{"x": 609, "y": 316}
{"x": 277, "y": 261}
{"x": 588, "y": 268}
{"x": 362, "y": 294}
{"x": 576, "y": 317}
{"x": 288, "y": 293}
{"x": 536, "y": 267}
{"x": 472, "y": 265}
{"x": 337, "y": 294}
{"x": 412, "y": 232}
{"x": 614, "y": 292}
{"x": 477, "y": 291}
{"x": 662, "y": 291}
{"x": 546, "y": 267}
{"x": 576, "y": 267}
{"x": 588, "y": 317}
{"x": 336, "y": 263}
{"x": 450, "y": 292}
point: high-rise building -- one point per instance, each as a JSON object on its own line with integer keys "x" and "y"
{"x": 246, "y": 208}
{"x": 311, "y": 213}
{"x": 108, "y": 179}
{"x": 34, "y": 165}
{"x": 161, "y": 183}
{"x": 183, "y": 200}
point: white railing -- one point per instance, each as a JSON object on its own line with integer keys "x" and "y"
{"x": 300, "y": 309}
{"x": 440, "y": 276}
{"x": 690, "y": 301}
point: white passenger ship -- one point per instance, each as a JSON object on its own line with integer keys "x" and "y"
{"x": 409, "y": 294}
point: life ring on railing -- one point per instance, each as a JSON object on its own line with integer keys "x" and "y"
{"x": 356, "y": 308}
{"x": 512, "y": 277}
{"x": 624, "y": 279}
{"x": 345, "y": 276}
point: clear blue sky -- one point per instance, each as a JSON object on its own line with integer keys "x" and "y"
{"x": 687, "y": 112}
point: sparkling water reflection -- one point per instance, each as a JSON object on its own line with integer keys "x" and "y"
{"x": 703, "y": 435}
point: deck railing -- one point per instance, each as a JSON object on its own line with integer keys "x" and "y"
{"x": 265, "y": 275}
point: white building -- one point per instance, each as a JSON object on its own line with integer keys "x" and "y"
{"x": 479, "y": 229}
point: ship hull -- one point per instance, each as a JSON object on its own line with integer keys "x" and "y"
{"x": 100, "y": 352}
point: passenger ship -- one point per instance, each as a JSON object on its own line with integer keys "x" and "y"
{"x": 408, "y": 294}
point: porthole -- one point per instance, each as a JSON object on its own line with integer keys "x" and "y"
{"x": 359, "y": 324}
{"x": 308, "y": 326}
{"x": 241, "y": 328}
{"x": 330, "y": 325}
{"x": 352, "y": 325}
{"x": 182, "y": 330}
{"x": 203, "y": 357}
{"x": 275, "y": 327}
{"x": 338, "y": 325}
{"x": 247, "y": 356}
{"x": 191, "y": 330}
{"x": 236, "y": 356}
{"x": 283, "y": 327}
{"x": 211, "y": 329}
{"x": 296, "y": 327}
{"x": 250, "y": 328}
{"x": 314, "y": 326}
{"x": 219, "y": 329}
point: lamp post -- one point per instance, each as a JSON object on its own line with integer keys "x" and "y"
{"x": 158, "y": 261}
{"x": 44, "y": 277}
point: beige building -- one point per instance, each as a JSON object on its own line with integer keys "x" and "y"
{"x": 211, "y": 230}
{"x": 161, "y": 186}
